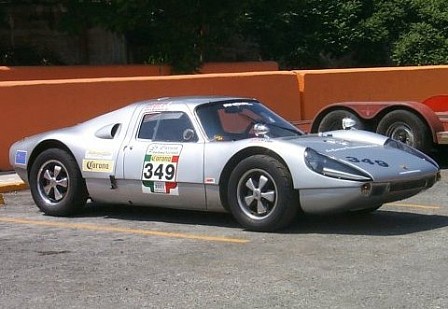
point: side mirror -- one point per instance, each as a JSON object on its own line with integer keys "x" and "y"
{"x": 348, "y": 123}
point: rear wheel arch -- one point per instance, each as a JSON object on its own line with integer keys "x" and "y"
{"x": 232, "y": 163}
{"x": 45, "y": 145}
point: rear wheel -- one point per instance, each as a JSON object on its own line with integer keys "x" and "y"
{"x": 406, "y": 127}
{"x": 56, "y": 183}
{"x": 333, "y": 120}
{"x": 260, "y": 194}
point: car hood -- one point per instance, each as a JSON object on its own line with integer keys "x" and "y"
{"x": 382, "y": 163}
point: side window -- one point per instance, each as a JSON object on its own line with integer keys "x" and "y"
{"x": 148, "y": 125}
{"x": 167, "y": 127}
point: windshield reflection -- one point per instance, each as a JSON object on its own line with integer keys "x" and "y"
{"x": 235, "y": 120}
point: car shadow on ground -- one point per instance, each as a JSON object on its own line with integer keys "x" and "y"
{"x": 156, "y": 214}
{"x": 379, "y": 223}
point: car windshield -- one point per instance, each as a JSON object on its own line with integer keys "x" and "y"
{"x": 235, "y": 120}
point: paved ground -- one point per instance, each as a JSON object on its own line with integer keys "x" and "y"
{"x": 121, "y": 257}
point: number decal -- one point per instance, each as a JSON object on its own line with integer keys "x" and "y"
{"x": 367, "y": 161}
{"x": 163, "y": 171}
{"x": 160, "y": 169}
{"x": 381, "y": 163}
{"x": 147, "y": 170}
{"x": 352, "y": 159}
{"x": 169, "y": 171}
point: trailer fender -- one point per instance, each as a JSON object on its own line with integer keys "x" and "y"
{"x": 375, "y": 111}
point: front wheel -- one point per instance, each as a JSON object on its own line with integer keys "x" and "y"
{"x": 261, "y": 195}
{"x": 56, "y": 183}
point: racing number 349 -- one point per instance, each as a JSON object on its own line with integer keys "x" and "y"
{"x": 159, "y": 171}
{"x": 368, "y": 161}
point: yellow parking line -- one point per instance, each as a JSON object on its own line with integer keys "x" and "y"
{"x": 414, "y": 206}
{"x": 102, "y": 228}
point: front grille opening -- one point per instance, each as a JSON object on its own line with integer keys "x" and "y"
{"x": 412, "y": 184}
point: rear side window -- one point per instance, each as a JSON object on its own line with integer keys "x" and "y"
{"x": 167, "y": 127}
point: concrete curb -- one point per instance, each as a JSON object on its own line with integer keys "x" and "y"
{"x": 12, "y": 186}
{"x": 10, "y": 183}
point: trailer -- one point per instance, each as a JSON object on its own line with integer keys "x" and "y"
{"x": 423, "y": 125}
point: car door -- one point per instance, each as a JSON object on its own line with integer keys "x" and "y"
{"x": 163, "y": 162}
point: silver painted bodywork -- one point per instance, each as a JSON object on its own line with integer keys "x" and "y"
{"x": 111, "y": 156}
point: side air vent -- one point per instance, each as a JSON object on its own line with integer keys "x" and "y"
{"x": 109, "y": 131}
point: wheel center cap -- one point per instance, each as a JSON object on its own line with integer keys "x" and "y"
{"x": 257, "y": 194}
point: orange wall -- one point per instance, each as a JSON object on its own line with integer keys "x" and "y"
{"x": 32, "y": 106}
{"x": 321, "y": 87}
{"x": 19, "y": 73}
{"x": 67, "y": 72}
{"x": 29, "y": 107}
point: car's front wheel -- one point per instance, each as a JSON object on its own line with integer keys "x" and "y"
{"x": 261, "y": 195}
{"x": 56, "y": 183}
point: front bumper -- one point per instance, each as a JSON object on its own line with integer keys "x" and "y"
{"x": 361, "y": 196}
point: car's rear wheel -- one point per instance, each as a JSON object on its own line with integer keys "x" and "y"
{"x": 56, "y": 183}
{"x": 261, "y": 195}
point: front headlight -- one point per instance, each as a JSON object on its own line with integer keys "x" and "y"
{"x": 327, "y": 166}
{"x": 406, "y": 148}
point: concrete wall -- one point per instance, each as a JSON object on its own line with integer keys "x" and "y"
{"x": 31, "y": 106}
{"x": 19, "y": 73}
{"x": 321, "y": 87}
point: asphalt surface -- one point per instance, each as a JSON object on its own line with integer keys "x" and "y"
{"x": 130, "y": 257}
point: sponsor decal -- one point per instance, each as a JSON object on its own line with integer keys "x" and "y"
{"x": 351, "y": 148}
{"x": 98, "y": 166}
{"x": 260, "y": 140}
{"x": 156, "y": 107}
{"x": 160, "y": 168}
{"x": 160, "y": 187}
{"x": 98, "y": 154}
{"x": 21, "y": 157}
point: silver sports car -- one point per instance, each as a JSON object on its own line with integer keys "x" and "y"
{"x": 217, "y": 154}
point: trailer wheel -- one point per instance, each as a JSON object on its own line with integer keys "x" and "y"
{"x": 406, "y": 127}
{"x": 333, "y": 120}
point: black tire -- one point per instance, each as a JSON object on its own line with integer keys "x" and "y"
{"x": 406, "y": 127}
{"x": 333, "y": 121}
{"x": 269, "y": 206}
{"x": 56, "y": 183}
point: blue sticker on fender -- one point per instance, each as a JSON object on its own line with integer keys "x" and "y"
{"x": 21, "y": 157}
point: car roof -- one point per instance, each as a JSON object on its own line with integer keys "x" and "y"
{"x": 191, "y": 101}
